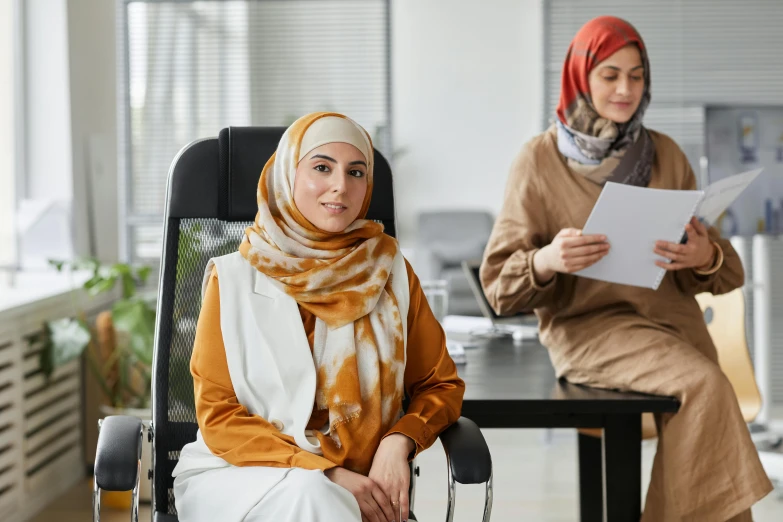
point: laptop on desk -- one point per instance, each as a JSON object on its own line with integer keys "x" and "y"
{"x": 520, "y": 326}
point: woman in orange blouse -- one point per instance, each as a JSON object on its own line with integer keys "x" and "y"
{"x": 307, "y": 341}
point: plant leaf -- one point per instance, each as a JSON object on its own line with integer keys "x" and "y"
{"x": 67, "y": 340}
{"x": 143, "y": 273}
{"x": 104, "y": 284}
{"x": 137, "y": 320}
{"x": 128, "y": 286}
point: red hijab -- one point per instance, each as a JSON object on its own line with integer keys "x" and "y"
{"x": 591, "y": 137}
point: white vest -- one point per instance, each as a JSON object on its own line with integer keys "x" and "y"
{"x": 269, "y": 358}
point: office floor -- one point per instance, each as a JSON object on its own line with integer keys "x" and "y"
{"x": 535, "y": 479}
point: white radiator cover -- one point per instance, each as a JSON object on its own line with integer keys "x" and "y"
{"x": 41, "y": 421}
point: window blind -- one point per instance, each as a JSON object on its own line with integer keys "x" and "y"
{"x": 189, "y": 68}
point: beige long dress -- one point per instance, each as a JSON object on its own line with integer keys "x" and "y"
{"x": 621, "y": 337}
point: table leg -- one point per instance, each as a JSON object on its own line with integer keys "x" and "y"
{"x": 622, "y": 451}
{"x": 591, "y": 481}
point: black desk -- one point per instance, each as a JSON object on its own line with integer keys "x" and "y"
{"x": 514, "y": 386}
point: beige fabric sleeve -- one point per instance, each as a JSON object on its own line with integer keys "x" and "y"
{"x": 519, "y": 232}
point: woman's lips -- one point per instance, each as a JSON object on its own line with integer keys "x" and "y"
{"x": 334, "y": 208}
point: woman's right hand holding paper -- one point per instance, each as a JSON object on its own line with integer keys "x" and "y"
{"x": 569, "y": 252}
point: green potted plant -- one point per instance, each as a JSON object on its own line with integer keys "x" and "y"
{"x": 118, "y": 346}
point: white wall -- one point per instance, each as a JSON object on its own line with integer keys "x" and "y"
{"x": 70, "y": 115}
{"x": 467, "y": 84}
{"x": 93, "y": 67}
{"x": 48, "y": 118}
{"x": 7, "y": 141}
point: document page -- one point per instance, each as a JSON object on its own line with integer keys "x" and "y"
{"x": 633, "y": 219}
{"x": 719, "y": 195}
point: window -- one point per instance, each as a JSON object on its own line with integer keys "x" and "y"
{"x": 191, "y": 68}
{"x": 8, "y": 120}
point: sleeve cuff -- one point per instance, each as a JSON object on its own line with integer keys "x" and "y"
{"x": 414, "y": 428}
{"x": 306, "y": 460}
{"x": 717, "y": 263}
{"x": 531, "y": 270}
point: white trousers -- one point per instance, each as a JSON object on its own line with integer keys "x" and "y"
{"x": 255, "y": 494}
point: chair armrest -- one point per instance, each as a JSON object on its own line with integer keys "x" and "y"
{"x": 118, "y": 454}
{"x": 467, "y": 452}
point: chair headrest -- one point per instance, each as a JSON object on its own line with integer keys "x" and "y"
{"x": 243, "y": 153}
{"x": 218, "y": 178}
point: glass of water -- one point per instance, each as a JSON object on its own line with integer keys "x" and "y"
{"x": 437, "y": 294}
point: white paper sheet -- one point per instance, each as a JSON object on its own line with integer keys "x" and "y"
{"x": 633, "y": 219}
{"x": 719, "y": 195}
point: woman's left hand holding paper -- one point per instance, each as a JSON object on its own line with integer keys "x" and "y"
{"x": 698, "y": 252}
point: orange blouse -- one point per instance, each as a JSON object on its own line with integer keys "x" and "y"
{"x": 242, "y": 439}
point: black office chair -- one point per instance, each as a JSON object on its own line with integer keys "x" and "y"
{"x": 211, "y": 200}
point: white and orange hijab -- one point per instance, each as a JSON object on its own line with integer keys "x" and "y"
{"x": 344, "y": 280}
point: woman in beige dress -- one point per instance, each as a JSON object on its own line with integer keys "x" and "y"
{"x": 616, "y": 336}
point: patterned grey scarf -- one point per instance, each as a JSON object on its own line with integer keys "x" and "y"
{"x": 635, "y": 161}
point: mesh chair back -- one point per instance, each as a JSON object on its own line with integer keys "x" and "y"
{"x": 211, "y": 200}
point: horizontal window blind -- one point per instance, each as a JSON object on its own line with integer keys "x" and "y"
{"x": 190, "y": 68}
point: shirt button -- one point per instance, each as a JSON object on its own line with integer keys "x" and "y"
{"x": 277, "y": 424}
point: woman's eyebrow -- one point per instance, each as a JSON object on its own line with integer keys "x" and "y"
{"x": 615, "y": 68}
{"x": 323, "y": 156}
